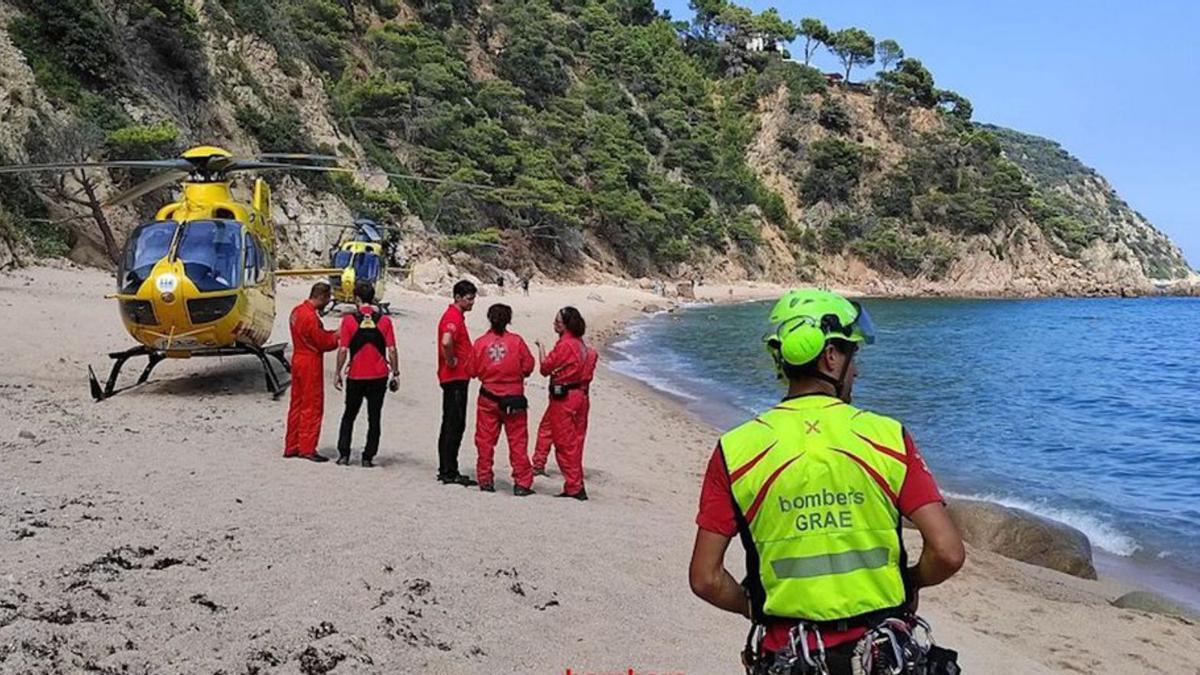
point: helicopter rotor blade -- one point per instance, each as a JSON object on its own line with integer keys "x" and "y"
{"x": 349, "y": 226}
{"x": 176, "y": 164}
{"x": 147, "y": 186}
{"x": 297, "y": 157}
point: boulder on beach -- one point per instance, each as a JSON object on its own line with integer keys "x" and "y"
{"x": 651, "y": 309}
{"x": 1024, "y": 536}
{"x": 1153, "y": 603}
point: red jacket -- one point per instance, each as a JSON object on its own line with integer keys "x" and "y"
{"x": 309, "y": 337}
{"x": 568, "y": 362}
{"x": 502, "y": 362}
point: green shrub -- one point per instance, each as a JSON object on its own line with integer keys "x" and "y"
{"x": 49, "y": 45}
{"x": 745, "y": 232}
{"x": 278, "y": 130}
{"x": 774, "y": 209}
{"x": 840, "y": 231}
{"x": 172, "y": 30}
{"x": 377, "y": 97}
{"x": 473, "y": 241}
{"x": 76, "y": 35}
{"x": 321, "y": 29}
{"x": 143, "y": 141}
{"x": 834, "y": 116}
{"x": 835, "y": 166}
{"x": 1071, "y": 234}
{"x": 887, "y": 247}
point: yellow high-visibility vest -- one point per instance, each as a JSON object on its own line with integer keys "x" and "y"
{"x": 816, "y": 483}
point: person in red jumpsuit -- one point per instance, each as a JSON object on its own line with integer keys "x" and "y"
{"x": 310, "y": 341}
{"x": 566, "y": 366}
{"x": 501, "y": 360}
{"x": 545, "y": 437}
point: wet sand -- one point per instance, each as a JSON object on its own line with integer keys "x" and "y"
{"x": 162, "y": 532}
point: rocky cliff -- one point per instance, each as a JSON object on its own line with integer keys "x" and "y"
{"x": 615, "y": 142}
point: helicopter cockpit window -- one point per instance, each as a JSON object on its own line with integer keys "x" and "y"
{"x": 211, "y": 252}
{"x": 341, "y": 259}
{"x": 147, "y": 245}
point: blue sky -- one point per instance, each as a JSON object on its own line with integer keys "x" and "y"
{"x": 1116, "y": 83}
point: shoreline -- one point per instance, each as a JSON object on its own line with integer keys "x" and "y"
{"x": 1167, "y": 581}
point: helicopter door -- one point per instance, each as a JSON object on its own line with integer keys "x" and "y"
{"x": 255, "y": 268}
{"x": 339, "y": 260}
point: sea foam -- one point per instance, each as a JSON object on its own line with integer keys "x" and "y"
{"x": 1100, "y": 533}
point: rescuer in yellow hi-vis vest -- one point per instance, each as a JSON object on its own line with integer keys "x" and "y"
{"x": 816, "y": 488}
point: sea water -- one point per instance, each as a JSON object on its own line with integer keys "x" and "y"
{"x": 1086, "y": 411}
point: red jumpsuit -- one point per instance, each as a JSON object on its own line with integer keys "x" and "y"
{"x": 502, "y": 362}
{"x": 567, "y": 364}
{"x": 545, "y": 437}
{"x": 310, "y": 341}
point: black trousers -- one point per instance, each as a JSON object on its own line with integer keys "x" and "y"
{"x": 454, "y": 423}
{"x": 356, "y": 390}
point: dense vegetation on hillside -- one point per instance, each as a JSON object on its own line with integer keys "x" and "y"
{"x": 586, "y": 116}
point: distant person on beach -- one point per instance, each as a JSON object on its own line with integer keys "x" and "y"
{"x": 368, "y": 339}
{"x": 454, "y": 374}
{"x": 502, "y": 361}
{"x": 567, "y": 366}
{"x": 816, "y": 489}
{"x": 525, "y": 285}
{"x": 500, "y": 283}
{"x": 310, "y": 341}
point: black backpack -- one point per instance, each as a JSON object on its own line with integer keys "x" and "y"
{"x": 368, "y": 332}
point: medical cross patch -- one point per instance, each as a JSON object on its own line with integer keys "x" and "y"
{"x": 496, "y": 352}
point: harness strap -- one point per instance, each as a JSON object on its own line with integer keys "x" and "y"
{"x": 368, "y": 335}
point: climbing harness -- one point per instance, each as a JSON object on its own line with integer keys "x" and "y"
{"x": 893, "y": 646}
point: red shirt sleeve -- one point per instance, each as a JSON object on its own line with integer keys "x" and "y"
{"x": 388, "y": 330}
{"x": 448, "y": 325}
{"x": 919, "y": 488}
{"x": 347, "y": 330}
{"x": 716, "y": 499}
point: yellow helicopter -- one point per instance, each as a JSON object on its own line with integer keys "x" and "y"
{"x": 361, "y": 254}
{"x": 199, "y": 280}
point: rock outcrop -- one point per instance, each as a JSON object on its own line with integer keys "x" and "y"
{"x": 1145, "y": 601}
{"x": 1020, "y": 535}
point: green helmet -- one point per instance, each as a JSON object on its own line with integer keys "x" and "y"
{"x": 806, "y": 318}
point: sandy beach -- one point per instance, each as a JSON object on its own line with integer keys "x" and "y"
{"x": 161, "y": 531}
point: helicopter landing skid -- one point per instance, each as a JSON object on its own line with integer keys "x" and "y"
{"x": 274, "y": 384}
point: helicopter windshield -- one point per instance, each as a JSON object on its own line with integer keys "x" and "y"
{"x": 211, "y": 252}
{"x": 147, "y": 245}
